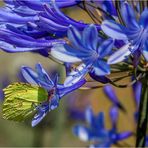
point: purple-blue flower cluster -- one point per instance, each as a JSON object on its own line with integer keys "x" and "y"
{"x": 88, "y": 49}
{"x": 109, "y": 91}
{"x": 111, "y": 48}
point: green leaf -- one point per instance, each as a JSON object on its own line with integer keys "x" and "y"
{"x": 21, "y": 99}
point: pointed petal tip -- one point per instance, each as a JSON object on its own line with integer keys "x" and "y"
{"x": 120, "y": 55}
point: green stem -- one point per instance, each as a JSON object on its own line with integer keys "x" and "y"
{"x": 143, "y": 115}
{"x": 60, "y": 117}
{"x": 38, "y": 136}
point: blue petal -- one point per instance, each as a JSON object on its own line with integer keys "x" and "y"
{"x": 76, "y": 75}
{"x": 120, "y": 55}
{"x": 52, "y": 24}
{"x": 66, "y": 53}
{"x": 101, "y": 68}
{"x": 62, "y": 90}
{"x": 136, "y": 57}
{"x": 144, "y": 18}
{"x": 123, "y": 135}
{"x": 105, "y": 144}
{"x": 114, "y": 116}
{"x": 99, "y": 121}
{"x": 90, "y": 37}
{"x": 137, "y": 92}
{"x": 108, "y": 6}
{"x": 38, "y": 118}
{"x": 128, "y": 15}
{"x": 40, "y": 78}
{"x": 114, "y": 30}
{"x": 8, "y": 16}
{"x": 38, "y": 4}
{"x": 43, "y": 76}
{"x": 89, "y": 116}
{"x": 21, "y": 42}
{"x": 105, "y": 48}
{"x": 102, "y": 79}
{"x": 75, "y": 37}
{"x": 110, "y": 93}
{"x": 145, "y": 51}
{"x": 1, "y": 95}
{"x": 82, "y": 132}
{"x": 29, "y": 75}
{"x": 11, "y": 48}
{"x": 54, "y": 103}
{"x": 44, "y": 109}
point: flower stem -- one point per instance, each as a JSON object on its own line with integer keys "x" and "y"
{"x": 143, "y": 114}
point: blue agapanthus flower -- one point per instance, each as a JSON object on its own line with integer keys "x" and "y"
{"x": 95, "y": 131}
{"x": 87, "y": 48}
{"x": 109, "y": 91}
{"x": 26, "y": 27}
{"x": 56, "y": 91}
{"x": 13, "y": 40}
{"x": 134, "y": 34}
{"x": 15, "y": 11}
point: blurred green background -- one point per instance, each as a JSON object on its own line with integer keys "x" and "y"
{"x": 56, "y": 128}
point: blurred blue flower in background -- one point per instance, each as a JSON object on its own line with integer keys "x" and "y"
{"x": 110, "y": 93}
{"x": 55, "y": 90}
{"x": 95, "y": 130}
{"x": 86, "y": 48}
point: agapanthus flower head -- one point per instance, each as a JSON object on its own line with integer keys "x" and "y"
{"x": 54, "y": 21}
{"x": 86, "y": 48}
{"x": 42, "y": 96}
{"x": 96, "y": 132}
{"x": 13, "y": 40}
{"x": 134, "y": 33}
{"x": 34, "y": 25}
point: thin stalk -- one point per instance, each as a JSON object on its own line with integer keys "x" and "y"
{"x": 38, "y": 136}
{"x": 60, "y": 117}
{"x": 117, "y": 4}
{"x": 100, "y": 9}
{"x": 141, "y": 6}
{"x": 143, "y": 115}
{"x": 96, "y": 20}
